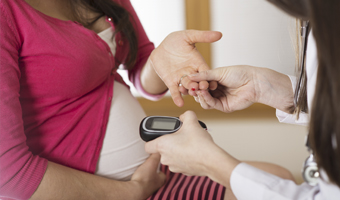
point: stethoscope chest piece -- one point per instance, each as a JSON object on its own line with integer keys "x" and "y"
{"x": 310, "y": 171}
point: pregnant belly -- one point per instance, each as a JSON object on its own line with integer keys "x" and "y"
{"x": 123, "y": 150}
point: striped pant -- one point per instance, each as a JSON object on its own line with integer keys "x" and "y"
{"x": 181, "y": 187}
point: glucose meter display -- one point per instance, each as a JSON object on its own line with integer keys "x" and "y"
{"x": 152, "y": 127}
{"x": 163, "y": 124}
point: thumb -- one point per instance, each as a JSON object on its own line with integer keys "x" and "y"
{"x": 195, "y": 36}
{"x": 153, "y": 161}
{"x": 189, "y": 117}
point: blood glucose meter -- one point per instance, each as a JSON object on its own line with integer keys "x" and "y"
{"x": 154, "y": 126}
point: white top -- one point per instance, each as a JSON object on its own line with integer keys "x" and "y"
{"x": 248, "y": 182}
{"x": 123, "y": 150}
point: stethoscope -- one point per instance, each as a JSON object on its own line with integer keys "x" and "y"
{"x": 310, "y": 170}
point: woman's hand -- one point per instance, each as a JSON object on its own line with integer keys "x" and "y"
{"x": 147, "y": 177}
{"x": 177, "y": 56}
{"x": 241, "y": 86}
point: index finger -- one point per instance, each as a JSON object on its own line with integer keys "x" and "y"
{"x": 209, "y": 75}
{"x": 176, "y": 95}
{"x": 152, "y": 147}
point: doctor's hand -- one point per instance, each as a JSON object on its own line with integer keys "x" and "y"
{"x": 177, "y": 56}
{"x": 241, "y": 86}
{"x": 192, "y": 151}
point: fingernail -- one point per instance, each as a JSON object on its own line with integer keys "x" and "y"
{"x": 193, "y": 89}
{"x": 193, "y": 74}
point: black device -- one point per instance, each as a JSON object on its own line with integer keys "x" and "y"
{"x": 154, "y": 126}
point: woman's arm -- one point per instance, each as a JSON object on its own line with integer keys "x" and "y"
{"x": 24, "y": 175}
{"x": 150, "y": 80}
{"x": 60, "y": 182}
{"x": 161, "y": 68}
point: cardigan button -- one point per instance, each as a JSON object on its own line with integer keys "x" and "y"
{"x": 120, "y": 42}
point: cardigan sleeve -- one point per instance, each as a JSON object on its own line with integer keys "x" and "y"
{"x": 145, "y": 47}
{"x": 20, "y": 171}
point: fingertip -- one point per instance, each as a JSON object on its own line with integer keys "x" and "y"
{"x": 219, "y": 34}
{"x": 179, "y": 102}
{"x": 195, "y": 36}
{"x": 203, "y": 85}
{"x": 214, "y": 36}
{"x": 176, "y": 96}
{"x": 188, "y": 115}
{"x": 192, "y": 93}
{"x": 213, "y": 85}
{"x": 193, "y": 86}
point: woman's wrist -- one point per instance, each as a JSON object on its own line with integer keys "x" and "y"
{"x": 150, "y": 80}
{"x": 138, "y": 190}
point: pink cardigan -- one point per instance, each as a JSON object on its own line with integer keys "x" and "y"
{"x": 56, "y": 82}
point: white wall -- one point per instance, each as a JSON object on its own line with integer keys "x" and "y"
{"x": 159, "y": 18}
{"x": 254, "y": 33}
{"x": 257, "y": 33}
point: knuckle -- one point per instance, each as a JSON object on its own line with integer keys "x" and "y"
{"x": 205, "y": 73}
{"x": 189, "y": 112}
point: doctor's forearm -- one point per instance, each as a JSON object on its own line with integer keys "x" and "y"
{"x": 274, "y": 89}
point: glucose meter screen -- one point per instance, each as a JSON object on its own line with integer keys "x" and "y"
{"x": 163, "y": 124}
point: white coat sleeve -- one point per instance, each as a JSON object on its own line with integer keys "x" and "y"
{"x": 248, "y": 182}
{"x": 290, "y": 118}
